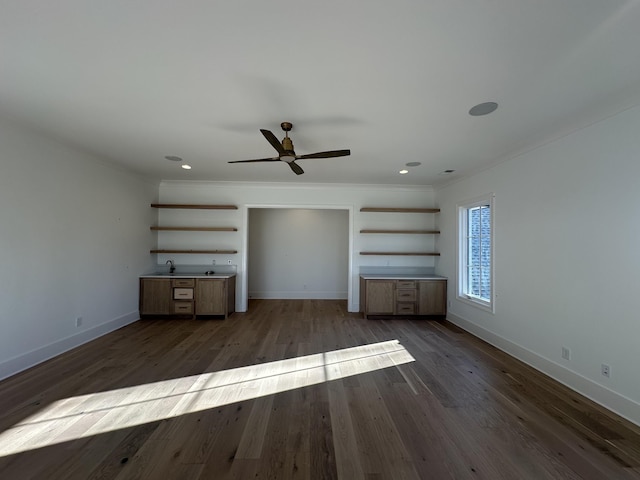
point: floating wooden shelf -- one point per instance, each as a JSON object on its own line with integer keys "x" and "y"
{"x": 196, "y": 229}
{"x": 400, "y": 210}
{"x": 194, "y": 206}
{"x": 399, "y": 231}
{"x": 193, "y": 251}
{"x": 420, "y": 254}
{"x": 193, "y": 229}
{"x": 424, "y": 232}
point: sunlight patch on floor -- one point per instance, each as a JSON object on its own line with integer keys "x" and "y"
{"x": 101, "y": 412}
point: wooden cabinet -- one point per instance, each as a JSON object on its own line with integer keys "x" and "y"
{"x": 182, "y": 308}
{"x": 379, "y": 297}
{"x": 155, "y": 296}
{"x": 403, "y": 296}
{"x": 182, "y": 296}
{"x": 215, "y": 296}
{"x": 187, "y": 296}
{"x": 432, "y": 297}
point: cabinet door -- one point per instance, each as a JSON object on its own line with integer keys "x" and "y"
{"x": 432, "y": 297}
{"x": 380, "y": 297}
{"x": 211, "y": 296}
{"x": 155, "y": 296}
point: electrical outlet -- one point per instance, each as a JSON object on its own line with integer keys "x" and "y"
{"x": 229, "y": 262}
{"x": 78, "y": 321}
{"x": 566, "y": 353}
{"x": 606, "y": 370}
{"x": 213, "y": 262}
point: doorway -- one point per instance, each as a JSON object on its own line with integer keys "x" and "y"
{"x": 298, "y": 252}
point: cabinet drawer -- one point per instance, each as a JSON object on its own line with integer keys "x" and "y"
{"x": 406, "y": 295}
{"x": 405, "y": 308}
{"x": 405, "y": 284}
{"x": 183, "y": 293}
{"x": 183, "y": 307}
{"x": 183, "y": 282}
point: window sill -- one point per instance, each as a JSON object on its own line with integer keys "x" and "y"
{"x": 483, "y": 305}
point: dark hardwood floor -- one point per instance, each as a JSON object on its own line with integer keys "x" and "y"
{"x": 302, "y": 389}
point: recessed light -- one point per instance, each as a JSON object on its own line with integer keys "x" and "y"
{"x": 413, "y": 164}
{"x": 186, "y": 167}
{"x": 446, "y": 172}
{"x": 483, "y": 109}
{"x": 173, "y": 158}
{"x": 403, "y": 172}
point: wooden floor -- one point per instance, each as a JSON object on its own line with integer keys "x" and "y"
{"x": 302, "y": 389}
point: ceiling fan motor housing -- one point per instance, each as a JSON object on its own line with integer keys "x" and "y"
{"x": 287, "y": 144}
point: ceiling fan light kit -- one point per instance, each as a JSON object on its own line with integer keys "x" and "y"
{"x": 287, "y": 154}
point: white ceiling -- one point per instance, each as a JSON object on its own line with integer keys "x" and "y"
{"x": 133, "y": 81}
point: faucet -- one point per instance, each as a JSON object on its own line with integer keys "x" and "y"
{"x": 172, "y": 268}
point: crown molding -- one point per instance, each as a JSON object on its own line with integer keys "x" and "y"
{"x": 297, "y": 186}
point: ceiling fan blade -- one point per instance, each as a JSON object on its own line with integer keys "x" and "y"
{"x": 273, "y": 140}
{"x": 287, "y": 154}
{"x": 296, "y": 168}
{"x": 330, "y": 154}
{"x": 276, "y": 159}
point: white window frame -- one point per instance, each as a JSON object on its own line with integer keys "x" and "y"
{"x": 462, "y": 280}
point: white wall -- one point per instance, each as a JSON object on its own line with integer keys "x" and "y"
{"x": 295, "y": 195}
{"x": 74, "y": 234}
{"x": 74, "y": 238}
{"x": 298, "y": 253}
{"x": 567, "y": 258}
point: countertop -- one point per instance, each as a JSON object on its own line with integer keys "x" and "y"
{"x": 187, "y": 275}
{"x": 400, "y": 276}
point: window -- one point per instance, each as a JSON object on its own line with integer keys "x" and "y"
{"x": 475, "y": 254}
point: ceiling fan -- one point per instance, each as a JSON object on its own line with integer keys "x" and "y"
{"x": 286, "y": 153}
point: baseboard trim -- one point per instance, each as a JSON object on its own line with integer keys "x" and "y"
{"x": 617, "y": 403}
{"x": 298, "y": 295}
{"x": 34, "y": 357}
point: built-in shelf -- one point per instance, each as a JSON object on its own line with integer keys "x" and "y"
{"x": 400, "y": 210}
{"x": 400, "y": 231}
{"x": 193, "y": 251}
{"x": 418, "y": 254}
{"x": 194, "y": 206}
{"x": 423, "y": 232}
{"x": 196, "y": 229}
